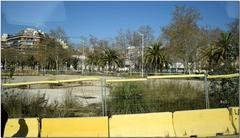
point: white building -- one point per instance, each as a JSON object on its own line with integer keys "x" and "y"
{"x": 64, "y": 45}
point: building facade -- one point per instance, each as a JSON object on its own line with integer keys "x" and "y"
{"x": 25, "y": 39}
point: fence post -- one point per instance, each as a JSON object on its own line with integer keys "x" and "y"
{"x": 105, "y": 95}
{"x": 102, "y": 94}
{"x": 206, "y": 91}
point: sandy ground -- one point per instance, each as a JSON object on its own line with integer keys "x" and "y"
{"x": 88, "y": 92}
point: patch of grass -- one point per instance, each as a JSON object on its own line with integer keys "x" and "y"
{"x": 55, "y": 85}
{"x": 173, "y": 96}
{"x": 19, "y": 104}
{"x": 142, "y": 97}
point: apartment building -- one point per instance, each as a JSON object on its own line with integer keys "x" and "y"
{"x": 24, "y": 39}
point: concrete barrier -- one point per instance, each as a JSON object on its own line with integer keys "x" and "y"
{"x": 75, "y": 127}
{"x": 27, "y": 127}
{"x": 142, "y": 125}
{"x": 234, "y": 116}
{"x": 202, "y": 123}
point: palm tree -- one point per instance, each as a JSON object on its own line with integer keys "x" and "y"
{"x": 155, "y": 57}
{"x": 220, "y": 58}
{"x": 92, "y": 60}
{"x": 224, "y": 47}
{"x": 219, "y": 51}
{"x": 110, "y": 58}
{"x": 207, "y": 55}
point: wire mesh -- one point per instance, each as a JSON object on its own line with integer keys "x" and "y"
{"x": 121, "y": 96}
{"x": 156, "y": 95}
{"x": 54, "y": 100}
{"x": 223, "y": 92}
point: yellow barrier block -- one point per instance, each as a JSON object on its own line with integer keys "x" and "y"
{"x": 125, "y": 80}
{"x": 142, "y": 125}
{"x": 75, "y": 127}
{"x": 176, "y": 76}
{"x": 27, "y": 127}
{"x": 234, "y": 116}
{"x": 202, "y": 123}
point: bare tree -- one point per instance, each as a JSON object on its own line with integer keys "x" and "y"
{"x": 182, "y": 35}
{"x": 147, "y": 32}
{"x": 59, "y": 33}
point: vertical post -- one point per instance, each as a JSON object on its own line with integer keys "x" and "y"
{"x": 57, "y": 65}
{"x": 206, "y": 91}
{"x": 142, "y": 52}
{"x": 105, "y": 95}
{"x": 102, "y": 94}
{"x": 83, "y": 58}
{"x": 45, "y": 59}
{"x": 131, "y": 69}
{"x": 5, "y": 65}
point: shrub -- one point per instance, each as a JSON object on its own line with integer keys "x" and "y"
{"x": 19, "y": 104}
{"x": 127, "y": 98}
{"x": 133, "y": 97}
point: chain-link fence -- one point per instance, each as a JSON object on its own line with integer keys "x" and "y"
{"x": 105, "y": 96}
{"x": 65, "y": 98}
{"x": 156, "y": 95}
{"x": 172, "y": 93}
{"x": 223, "y": 92}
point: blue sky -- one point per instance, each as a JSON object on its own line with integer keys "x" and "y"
{"x": 105, "y": 19}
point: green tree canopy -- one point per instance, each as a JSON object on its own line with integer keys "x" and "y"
{"x": 155, "y": 58}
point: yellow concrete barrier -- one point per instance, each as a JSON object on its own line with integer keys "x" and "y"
{"x": 142, "y": 125}
{"x": 75, "y": 127}
{"x": 202, "y": 123}
{"x": 27, "y": 127}
{"x": 234, "y": 116}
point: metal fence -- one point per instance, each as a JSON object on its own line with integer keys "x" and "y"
{"x": 223, "y": 91}
{"x": 155, "y": 95}
{"x": 105, "y": 96}
{"x": 53, "y": 98}
{"x": 171, "y": 93}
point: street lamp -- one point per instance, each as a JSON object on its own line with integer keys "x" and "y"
{"x": 142, "y": 49}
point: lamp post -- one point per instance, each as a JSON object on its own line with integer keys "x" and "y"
{"x": 142, "y": 50}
